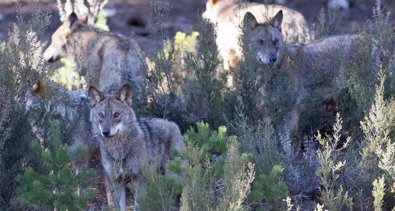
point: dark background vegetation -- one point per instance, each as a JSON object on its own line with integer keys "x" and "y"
{"x": 133, "y": 16}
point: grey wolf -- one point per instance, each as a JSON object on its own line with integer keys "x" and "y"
{"x": 227, "y": 17}
{"x": 106, "y": 60}
{"x": 128, "y": 142}
{"x": 45, "y": 101}
{"x": 307, "y": 64}
{"x": 48, "y": 100}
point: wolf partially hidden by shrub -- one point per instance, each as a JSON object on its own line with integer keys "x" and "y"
{"x": 314, "y": 69}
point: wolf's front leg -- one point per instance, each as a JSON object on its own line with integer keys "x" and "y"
{"x": 118, "y": 194}
{"x": 139, "y": 192}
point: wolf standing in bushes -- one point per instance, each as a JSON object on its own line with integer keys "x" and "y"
{"x": 106, "y": 60}
{"x": 128, "y": 142}
{"x": 227, "y": 16}
{"x": 314, "y": 68}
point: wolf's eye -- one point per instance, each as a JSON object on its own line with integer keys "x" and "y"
{"x": 116, "y": 114}
{"x": 101, "y": 115}
{"x": 275, "y": 41}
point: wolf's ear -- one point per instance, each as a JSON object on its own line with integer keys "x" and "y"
{"x": 39, "y": 89}
{"x": 212, "y": 2}
{"x": 73, "y": 21}
{"x": 277, "y": 20}
{"x": 95, "y": 95}
{"x": 249, "y": 22}
{"x": 125, "y": 95}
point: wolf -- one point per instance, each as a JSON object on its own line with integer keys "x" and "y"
{"x": 128, "y": 142}
{"x": 227, "y": 17}
{"x": 48, "y": 100}
{"x": 312, "y": 67}
{"x": 45, "y": 101}
{"x": 107, "y": 60}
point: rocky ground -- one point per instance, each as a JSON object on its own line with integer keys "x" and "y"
{"x": 133, "y": 16}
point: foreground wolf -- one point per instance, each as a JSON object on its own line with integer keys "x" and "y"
{"x": 129, "y": 142}
{"x": 313, "y": 67}
{"x": 106, "y": 60}
{"x": 227, "y": 16}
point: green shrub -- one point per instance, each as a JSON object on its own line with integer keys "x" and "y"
{"x": 204, "y": 188}
{"x": 55, "y": 186}
{"x": 161, "y": 191}
{"x": 20, "y": 66}
{"x": 272, "y": 188}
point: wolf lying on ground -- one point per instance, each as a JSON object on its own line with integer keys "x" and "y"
{"x": 106, "y": 60}
{"x": 227, "y": 17}
{"x": 129, "y": 142}
{"x": 313, "y": 67}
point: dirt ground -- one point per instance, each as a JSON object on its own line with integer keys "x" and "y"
{"x": 133, "y": 16}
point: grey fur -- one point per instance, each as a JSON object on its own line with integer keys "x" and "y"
{"x": 128, "y": 143}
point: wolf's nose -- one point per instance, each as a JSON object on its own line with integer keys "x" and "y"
{"x": 272, "y": 58}
{"x": 50, "y": 60}
{"x": 106, "y": 133}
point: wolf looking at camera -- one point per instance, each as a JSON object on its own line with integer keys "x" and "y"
{"x": 227, "y": 17}
{"x": 128, "y": 142}
{"x": 314, "y": 68}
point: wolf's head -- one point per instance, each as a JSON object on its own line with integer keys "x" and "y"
{"x": 264, "y": 40}
{"x": 53, "y": 99}
{"x": 112, "y": 114}
{"x": 57, "y": 49}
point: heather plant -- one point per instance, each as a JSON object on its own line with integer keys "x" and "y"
{"x": 374, "y": 54}
{"x": 185, "y": 85}
{"x": 161, "y": 191}
{"x": 239, "y": 174}
{"x": 55, "y": 186}
{"x": 326, "y": 24}
{"x": 333, "y": 196}
{"x": 20, "y": 65}
{"x": 377, "y": 151}
{"x": 198, "y": 191}
{"x": 204, "y": 192}
{"x": 260, "y": 141}
{"x": 378, "y": 148}
{"x": 378, "y": 193}
{"x": 206, "y": 92}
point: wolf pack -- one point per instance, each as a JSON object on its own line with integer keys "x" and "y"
{"x": 103, "y": 116}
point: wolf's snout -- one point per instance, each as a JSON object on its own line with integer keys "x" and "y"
{"x": 51, "y": 60}
{"x": 106, "y": 133}
{"x": 266, "y": 59}
{"x": 272, "y": 59}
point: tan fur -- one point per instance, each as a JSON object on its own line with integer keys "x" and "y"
{"x": 128, "y": 142}
{"x": 227, "y": 16}
{"x": 106, "y": 60}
